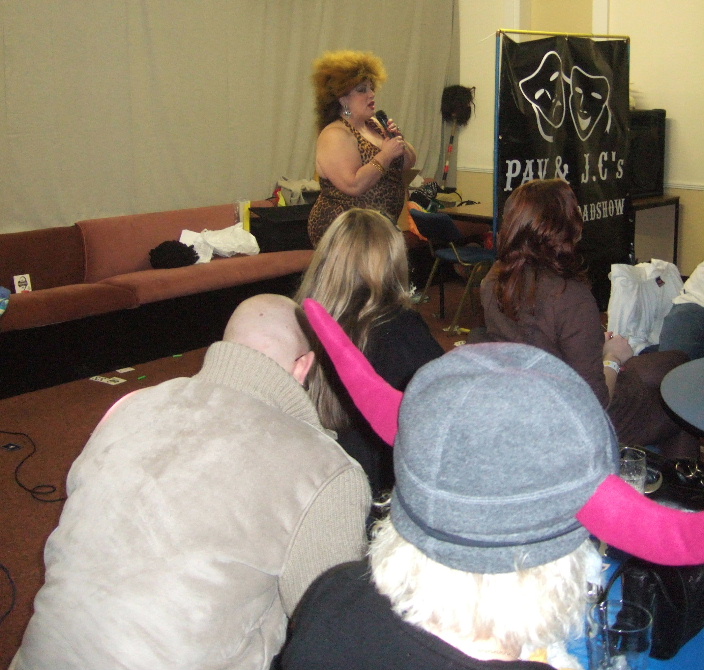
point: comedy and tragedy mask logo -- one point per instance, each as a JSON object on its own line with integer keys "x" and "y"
{"x": 589, "y": 97}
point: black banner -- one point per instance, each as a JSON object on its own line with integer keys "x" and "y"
{"x": 563, "y": 112}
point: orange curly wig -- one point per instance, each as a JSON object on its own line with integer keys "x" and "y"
{"x": 336, "y": 73}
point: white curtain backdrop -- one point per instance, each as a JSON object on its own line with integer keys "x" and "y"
{"x": 111, "y": 107}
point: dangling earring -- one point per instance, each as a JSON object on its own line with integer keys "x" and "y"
{"x": 346, "y": 111}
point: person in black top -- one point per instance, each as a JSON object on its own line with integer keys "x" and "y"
{"x": 359, "y": 273}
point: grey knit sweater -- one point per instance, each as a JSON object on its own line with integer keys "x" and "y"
{"x": 198, "y": 513}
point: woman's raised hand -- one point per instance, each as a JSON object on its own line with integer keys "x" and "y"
{"x": 392, "y": 129}
{"x": 392, "y": 147}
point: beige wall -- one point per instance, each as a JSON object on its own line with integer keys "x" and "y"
{"x": 477, "y": 186}
{"x": 665, "y": 38}
{"x": 561, "y": 16}
{"x": 691, "y": 242}
{"x": 667, "y": 50}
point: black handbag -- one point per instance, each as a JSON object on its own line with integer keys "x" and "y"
{"x": 426, "y": 196}
{"x": 674, "y": 596}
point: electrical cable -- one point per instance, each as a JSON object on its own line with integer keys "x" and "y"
{"x": 13, "y": 594}
{"x": 37, "y": 492}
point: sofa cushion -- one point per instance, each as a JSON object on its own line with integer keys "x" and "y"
{"x": 121, "y": 244}
{"x": 51, "y": 256}
{"x": 64, "y": 303}
{"x": 154, "y": 285}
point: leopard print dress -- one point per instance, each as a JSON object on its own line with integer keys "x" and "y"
{"x": 387, "y": 195}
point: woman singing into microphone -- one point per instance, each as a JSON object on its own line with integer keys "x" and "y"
{"x": 360, "y": 164}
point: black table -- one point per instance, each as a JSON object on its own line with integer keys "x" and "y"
{"x": 683, "y": 391}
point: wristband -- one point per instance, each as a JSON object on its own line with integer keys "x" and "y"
{"x": 613, "y": 365}
{"x": 377, "y": 165}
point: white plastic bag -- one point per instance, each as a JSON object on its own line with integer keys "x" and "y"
{"x": 201, "y": 247}
{"x": 230, "y": 241}
{"x": 641, "y": 297}
{"x": 226, "y": 242}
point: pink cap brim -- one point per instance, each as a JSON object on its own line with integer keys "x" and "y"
{"x": 375, "y": 398}
{"x": 623, "y": 518}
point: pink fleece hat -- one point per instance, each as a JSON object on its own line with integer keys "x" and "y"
{"x": 616, "y": 513}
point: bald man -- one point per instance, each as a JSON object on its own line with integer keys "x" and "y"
{"x": 198, "y": 513}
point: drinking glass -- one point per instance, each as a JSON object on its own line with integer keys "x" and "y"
{"x": 242, "y": 213}
{"x": 633, "y": 467}
{"x": 619, "y": 636}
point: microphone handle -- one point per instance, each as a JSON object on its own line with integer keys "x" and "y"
{"x": 383, "y": 119}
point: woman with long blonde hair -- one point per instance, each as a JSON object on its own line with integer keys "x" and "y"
{"x": 359, "y": 273}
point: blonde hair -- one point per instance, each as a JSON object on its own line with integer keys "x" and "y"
{"x": 336, "y": 73}
{"x": 536, "y": 606}
{"x": 359, "y": 273}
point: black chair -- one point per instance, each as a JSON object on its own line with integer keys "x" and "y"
{"x": 445, "y": 242}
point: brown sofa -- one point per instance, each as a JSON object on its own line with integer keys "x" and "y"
{"x": 97, "y": 304}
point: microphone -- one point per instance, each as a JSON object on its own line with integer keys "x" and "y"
{"x": 383, "y": 119}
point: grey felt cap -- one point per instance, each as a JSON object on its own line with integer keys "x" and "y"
{"x": 499, "y": 446}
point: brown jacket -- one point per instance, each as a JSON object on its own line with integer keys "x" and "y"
{"x": 565, "y": 321}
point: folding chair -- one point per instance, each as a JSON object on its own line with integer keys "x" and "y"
{"x": 444, "y": 240}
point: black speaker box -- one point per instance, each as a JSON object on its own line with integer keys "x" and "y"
{"x": 281, "y": 228}
{"x": 645, "y": 165}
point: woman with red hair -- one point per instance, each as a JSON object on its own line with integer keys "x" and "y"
{"x": 537, "y": 293}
